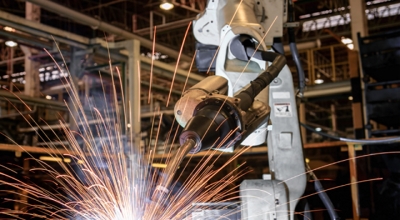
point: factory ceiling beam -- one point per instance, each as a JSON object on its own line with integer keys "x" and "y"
{"x": 181, "y": 74}
{"x": 51, "y": 104}
{"x": 335, "y": 12}
{"x": 21, "y": 98}
{"x": 165, "y": 27}
{"x": 50, "y": 33}
{"x": 25, "y": 40}
{"x": 14, "y": 60}
{"x": 97, "y": 24}
{"x": 101, "y": 5}
{"x": 42, "y": 30}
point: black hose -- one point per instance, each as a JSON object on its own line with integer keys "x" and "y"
{"x": 300, "y": 71}
{"x": 326, "y": 200}
{"x": 278, "y": 46}
{"x": 295, "y": 52}
{"x": 263, "y": 80}
{"x": 323, "y": 196}
{"x": 307, "y": 212}
{"x": 381, "y": 141}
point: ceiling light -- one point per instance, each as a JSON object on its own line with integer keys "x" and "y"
{"x": 165, "y": 5}
{"x": 159, "y": 165}
{"x": 9, "y": 29}
{"x": 350, "y": 46}
{"x": 350, "y": 98}
{"x": 318, "y": 129}
{"x": 348, "y": 42}
{"x": 318, "y": 81}
{"x": 51, "y": 159}
{"x": 48, "y": 97}
{"x": 58, "y": 159}
{"x": 11, "y": 43}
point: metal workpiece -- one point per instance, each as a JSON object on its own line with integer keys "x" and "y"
{"x": 264, "y": 200}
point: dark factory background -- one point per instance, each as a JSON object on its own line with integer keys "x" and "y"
{"x": 352, "y": 88}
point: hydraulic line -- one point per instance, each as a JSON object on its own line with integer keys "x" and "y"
{"x": 381, "y": 141}
{"x": 323, "y": 196}
{"x": 293, "y": 49}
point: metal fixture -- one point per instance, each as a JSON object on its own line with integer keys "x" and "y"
{"x": 348, "y": 42}
{"x": 11, "y": 43}
{"x": 318, "y": 80}
{"x": 166, "y": 5}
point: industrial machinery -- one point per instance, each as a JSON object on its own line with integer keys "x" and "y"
{"x": 250, "y": 100}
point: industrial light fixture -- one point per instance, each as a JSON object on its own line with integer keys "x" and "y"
{"x": 166, "y": 5}
{"x": 54, "y": 159}
{"x": 159, "y": 165}
{"x": 318, "y": 80}
{"x": 348, "y": 42}
{"x": 11, "y": 43}
{"x": 58, "y": 159}
{"x": 9, "y": 29}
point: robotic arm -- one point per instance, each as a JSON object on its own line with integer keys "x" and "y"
{"x": 252, "y": 86}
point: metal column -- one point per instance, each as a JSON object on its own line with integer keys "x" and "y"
{"x": 32, "y": 82}
{"x": 133, "y": 47}
{"x": 358, "y": 25}
{"x": 358, "y": 20}
{"x": 333, "y": 118}
{"x": 353, "y": 181}
{"x": 76, "y": 71}
{"x": 31, "y": 87}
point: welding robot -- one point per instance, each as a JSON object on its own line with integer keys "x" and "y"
{"x": 249, "y": 101}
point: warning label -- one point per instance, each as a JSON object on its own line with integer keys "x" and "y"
{"x": 282, "y": 110}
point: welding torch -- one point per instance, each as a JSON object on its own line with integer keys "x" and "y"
{"x": 211, "y": 119}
